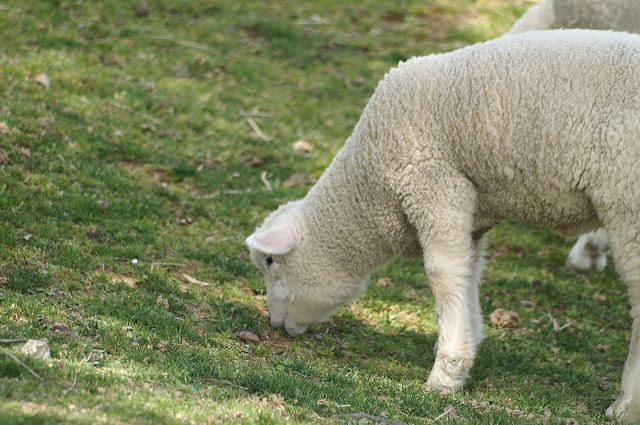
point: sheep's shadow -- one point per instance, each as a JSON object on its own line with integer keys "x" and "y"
{"x": 501, "y": 367}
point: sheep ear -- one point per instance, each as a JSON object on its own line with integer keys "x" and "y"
{"x": 276, "y": 241}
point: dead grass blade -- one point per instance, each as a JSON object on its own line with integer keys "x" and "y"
{"x": 191, "y": 279}
{"x": 258, "y": 131}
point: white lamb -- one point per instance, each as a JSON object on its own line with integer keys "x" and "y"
{"x": 541, "y": 127}
{"x": 590, "y": 250}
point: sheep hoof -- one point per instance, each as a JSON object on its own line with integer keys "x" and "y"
{"x": 625, "y": 410}
{"x": 448, "y": 374}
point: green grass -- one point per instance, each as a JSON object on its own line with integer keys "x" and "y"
{"x": 138, "y": 166}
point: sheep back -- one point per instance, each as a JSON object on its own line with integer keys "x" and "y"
{"x": 545, "y": 124}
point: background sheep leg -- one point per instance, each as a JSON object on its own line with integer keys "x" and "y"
{"x": 590, "y": 251}
{"x": 626, "y": 255}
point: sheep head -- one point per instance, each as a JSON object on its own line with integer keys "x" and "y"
{"x": 304, "y": 286}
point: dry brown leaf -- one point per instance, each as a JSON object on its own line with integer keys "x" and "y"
{"x": 162, "y": 301}
{"x": 184, "y": 221}
{"x": 297, "y": 179}
{"x": 385, "y": 282}
{"x": 411, "y": 295}
{"x": 45, "y": 121}
{"x": 149, "y": 126}
{"x": 24, "y": 152}
{"x": 503, "y": 319}
{"x": 43, "y": 79}
{"x": 61, "y": 328}
{"x": 130, "y": 281}
{"x": 4, "y": 128}
{"x": 302, "y": 146}
{"x": 247, "y": 335}
{"x": 252, "y": 161}
{"x": 162, "y": 345}
{"x": 141, "y": 9}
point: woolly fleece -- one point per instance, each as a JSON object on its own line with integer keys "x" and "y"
{"x": 541, "y": 128}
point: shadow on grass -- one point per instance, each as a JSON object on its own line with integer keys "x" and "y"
{"x": 37, "y": 418}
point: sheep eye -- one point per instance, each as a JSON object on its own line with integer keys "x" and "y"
{"x": 269, "y": 261}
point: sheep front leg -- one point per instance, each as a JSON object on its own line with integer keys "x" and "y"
{"x": 459, "y": 321}
{"x": 453, "y": 262}
{"x": 477, "y": 333}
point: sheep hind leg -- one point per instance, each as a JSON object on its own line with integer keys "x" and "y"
{"x": 625, "y": 247}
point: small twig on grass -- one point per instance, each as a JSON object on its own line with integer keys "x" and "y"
{"x": 224, "y": 381}
{"x": 556, "y": 325}
{"x": 12, "y": 341}
{"x": 31, "y": 371}
{"x": 191, "y": 279}
{"x": 380, "y": 419}
{"x": 263, "y": 177}
{"x": 256, "y": 114}
{"x": 68, "y": 390}
{"x": 446, "y": 412}
{"x": 258, "y": 131}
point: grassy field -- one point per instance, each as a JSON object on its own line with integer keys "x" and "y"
{"x": 140, "y": 145}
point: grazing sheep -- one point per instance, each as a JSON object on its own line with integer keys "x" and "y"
{"x": 590, "y": 250}
{"x": 541, "y": 128}
{"x": 619, "y": 15}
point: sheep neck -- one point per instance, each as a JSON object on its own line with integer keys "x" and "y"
{"x": 340, "y": 214}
